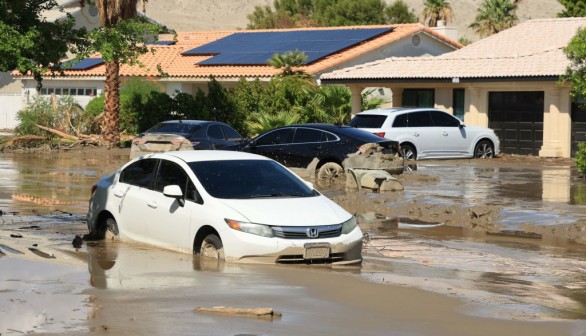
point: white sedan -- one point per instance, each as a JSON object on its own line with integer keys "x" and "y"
{"x": 226, "y": 205}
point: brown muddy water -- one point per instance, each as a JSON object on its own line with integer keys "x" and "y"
{"x": 506, "y": 238}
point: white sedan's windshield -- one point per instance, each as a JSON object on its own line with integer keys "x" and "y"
{"x": 248, "y": 179}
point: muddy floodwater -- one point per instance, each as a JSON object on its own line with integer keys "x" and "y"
{"x": 483, "y": 247}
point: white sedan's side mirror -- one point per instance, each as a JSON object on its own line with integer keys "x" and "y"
{"x": 172, "y": 191}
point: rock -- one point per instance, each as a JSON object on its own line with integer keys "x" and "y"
{"x": 77, "y": 241}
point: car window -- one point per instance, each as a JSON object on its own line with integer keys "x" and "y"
{"x": 139, "y": 173}
{"x": 368, "y": 121}
{"x": 230, "y": 133}
{"x": 281, "y": 136}
{"x": 215, "y": 132}
{"x": 170, "y": 173}
{"x": 401, "y": 120}
{"x": 443, "y": 119}
{"x": 330, "y": 137}
{"x": 173, "y": 128}
{"x": 238, "y": 179}
{"x": 304, "y": 135}
{"x": 419, "y": 119}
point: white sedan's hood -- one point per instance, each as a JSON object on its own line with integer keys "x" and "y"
{"x": 301, "y": 211}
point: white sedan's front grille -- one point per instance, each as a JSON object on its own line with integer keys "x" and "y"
{"x": 308, "y": 232}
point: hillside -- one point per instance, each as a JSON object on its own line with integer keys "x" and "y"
{"x": 186, "y": 15}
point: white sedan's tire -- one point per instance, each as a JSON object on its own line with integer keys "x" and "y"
{"x": 212, "y": 247}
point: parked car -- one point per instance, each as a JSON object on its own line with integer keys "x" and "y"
{"x": 297, "y": 145}
{"x": 184, "y": 135}
{"x": 428, "y": 133}
{"x": 225, "y": 205}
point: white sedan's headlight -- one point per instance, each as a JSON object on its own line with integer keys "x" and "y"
{"x": 252, "y": 228}
{"x": 349, "y": 225}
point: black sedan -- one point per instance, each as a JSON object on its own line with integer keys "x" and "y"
{"x": 297, "y": 145}
{"x": 184, "y": 135}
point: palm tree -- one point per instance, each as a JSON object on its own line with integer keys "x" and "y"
{"x": 435, "y": 10}
{"x": 494, "y": 16}
{"x": 289, "y": 62}
{"x": 111, "y": 12}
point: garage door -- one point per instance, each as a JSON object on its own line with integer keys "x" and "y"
{"x": 517, "y": 119}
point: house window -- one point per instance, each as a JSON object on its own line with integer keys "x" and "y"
{"x": 458, "y": 103}
{"x": 69, "y": 91}
{"x": 419, "y": 97}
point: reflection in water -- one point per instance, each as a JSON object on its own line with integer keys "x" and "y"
{"x": 47, "y": 182}
{"x": 115, "y": 264}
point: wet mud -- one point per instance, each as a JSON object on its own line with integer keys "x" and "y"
{"x": 506, "y": 237}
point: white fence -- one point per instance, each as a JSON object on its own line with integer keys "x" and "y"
{"x": 10, "y": 104}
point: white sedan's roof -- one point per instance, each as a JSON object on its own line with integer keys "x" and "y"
{"x": 210, "y": 155}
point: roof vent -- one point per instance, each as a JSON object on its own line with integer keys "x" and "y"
{"x": 415, "y": 40}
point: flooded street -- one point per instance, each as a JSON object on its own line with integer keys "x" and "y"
{"x": 487, "y": 239}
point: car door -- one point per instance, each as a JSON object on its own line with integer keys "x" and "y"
{"x": 307, "y": 144}
{"x": 130, "y": 197}
{"x": 169, "y": 218}
{"x": 273, "y": 144}
{"x": 455, "y": 142}
{"x": 422, "y": 132}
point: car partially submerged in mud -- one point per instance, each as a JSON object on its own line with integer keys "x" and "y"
{"x": 224, "y": 205}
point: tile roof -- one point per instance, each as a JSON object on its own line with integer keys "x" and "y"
{"x": 176, "y": 65}
{"x": 533, "y": 48}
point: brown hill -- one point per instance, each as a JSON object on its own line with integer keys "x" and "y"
{"x": 186, "y": 15}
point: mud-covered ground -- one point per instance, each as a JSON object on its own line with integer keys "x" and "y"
{"x": 466, "y": 242}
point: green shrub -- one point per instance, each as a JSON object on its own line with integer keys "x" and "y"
{"x": 39, "y": 112}
{"x": 580, "y": 158}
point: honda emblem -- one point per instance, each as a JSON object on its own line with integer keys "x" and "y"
{"x": 312, "y": 232}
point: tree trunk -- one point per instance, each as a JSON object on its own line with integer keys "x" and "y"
{"x": 110, "y": 130}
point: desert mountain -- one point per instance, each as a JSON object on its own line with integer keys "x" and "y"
{"x": 188, "y": 15}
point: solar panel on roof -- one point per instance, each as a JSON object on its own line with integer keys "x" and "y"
{"x": 84, "y": 64}
{"x": 252, "y": 48}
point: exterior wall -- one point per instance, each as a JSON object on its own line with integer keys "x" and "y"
{"x": 427, "y": 46}
{"x": 29, "y": 90}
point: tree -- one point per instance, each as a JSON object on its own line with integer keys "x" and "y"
{"x": 576, "y": 71}
{"x": 495, "y": 16}
{"x": 120, "y": 39}
{"x": 29, "y": 43}
{"x": 326, "y": 13}
{"x": 399, "y": 12}
{"x": 573, "y": 8}
{"x": 289, "y": 62}
{"x": 349, "y": 12}
{"x": 435, "y": 10}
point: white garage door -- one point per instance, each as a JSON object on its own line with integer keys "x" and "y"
{"x": 10, "y": 104}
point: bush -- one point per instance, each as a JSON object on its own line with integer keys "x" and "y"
{"x": 63, "y": 114}
{"x": 580, "y": 158}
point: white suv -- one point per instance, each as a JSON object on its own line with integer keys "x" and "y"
{"x": 428, "y": 133}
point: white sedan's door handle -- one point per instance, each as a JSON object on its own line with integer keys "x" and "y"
{"x": 445, "y": 133}
{"x": 119, "y": 193}
{"x": 416, "y": 134}
{"x": 153, "y": 204}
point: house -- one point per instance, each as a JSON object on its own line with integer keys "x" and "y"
{"x": 11, "y": 93}
{"x": 509, "y": 81}
{"x": 189, "y": 60}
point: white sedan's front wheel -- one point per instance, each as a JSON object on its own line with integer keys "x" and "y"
{"x": 212, "y": 247}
